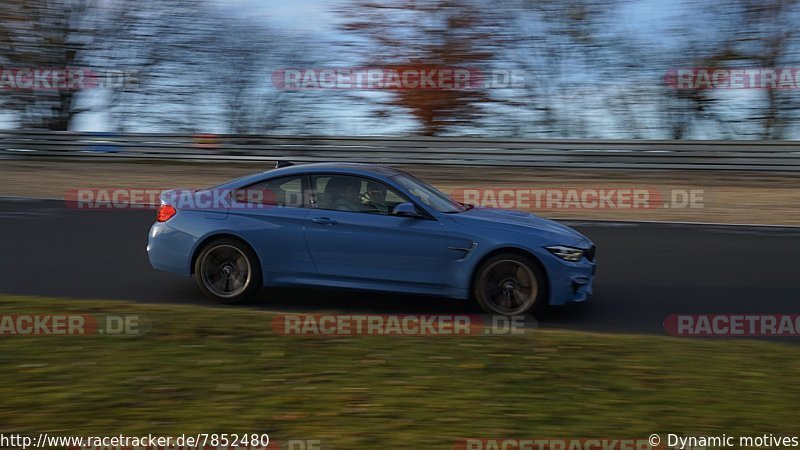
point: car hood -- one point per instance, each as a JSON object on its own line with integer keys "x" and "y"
{"x": 521, "y": 222}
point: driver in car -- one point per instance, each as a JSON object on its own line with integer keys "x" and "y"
{"x": 376, "y": 197}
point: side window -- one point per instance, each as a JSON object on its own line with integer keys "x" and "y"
{"x": 354, "y": 194}
{"x": 284, "y": 192}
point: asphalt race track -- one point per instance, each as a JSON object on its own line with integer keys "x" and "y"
{"x": 646, "y": 271}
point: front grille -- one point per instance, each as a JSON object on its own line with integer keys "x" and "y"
{"x": 589, "y": 254}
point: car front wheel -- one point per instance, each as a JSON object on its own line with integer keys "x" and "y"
{"x": 227, "y": 271}
{"x": 509, "y": 284}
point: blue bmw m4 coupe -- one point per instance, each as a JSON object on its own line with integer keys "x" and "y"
{"x": 366, "y": 227}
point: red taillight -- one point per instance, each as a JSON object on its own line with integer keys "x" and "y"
{"x": 165, "y": 212}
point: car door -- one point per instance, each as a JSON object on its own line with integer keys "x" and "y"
{"x": 271, "y": 215}
{"x": 370, "y": 244}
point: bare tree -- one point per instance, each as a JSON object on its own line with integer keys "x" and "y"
{"x": 53, "y": 34}
{"x": 425, "y": 35}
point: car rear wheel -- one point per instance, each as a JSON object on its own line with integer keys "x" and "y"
{"x": 227, "y": 271}
{"x": 509, "y": 284}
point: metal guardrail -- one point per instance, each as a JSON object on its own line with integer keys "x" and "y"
{"x": 561, "y": 153}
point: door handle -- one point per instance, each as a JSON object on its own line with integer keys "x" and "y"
{"x": 324, "y": 221}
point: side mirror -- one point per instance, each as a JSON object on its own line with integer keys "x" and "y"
{"x": 467, "y": 205}
{"x": 407, "y": 210}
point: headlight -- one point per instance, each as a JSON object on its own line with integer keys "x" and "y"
{"x": 571, "y": 254}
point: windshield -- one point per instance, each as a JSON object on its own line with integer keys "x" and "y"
{"x": 428, "y": 194}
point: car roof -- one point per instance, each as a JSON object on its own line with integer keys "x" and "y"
{"x": 376, "y": 170}
{"x": 355, "y": 168}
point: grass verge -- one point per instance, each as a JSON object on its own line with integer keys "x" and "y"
{"x": 204, "y": 370}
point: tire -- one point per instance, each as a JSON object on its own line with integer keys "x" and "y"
{"x": 227, "y": 271}
{"x": 509, "y": 284}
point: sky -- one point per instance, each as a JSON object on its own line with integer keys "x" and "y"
{"x": 646, "y": 21}
{"x": 304, "y": 16}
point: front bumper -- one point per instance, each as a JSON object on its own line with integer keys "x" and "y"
{"x": 571, "y": 282}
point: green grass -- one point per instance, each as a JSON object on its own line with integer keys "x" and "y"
{"x": 223, "y": 370}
